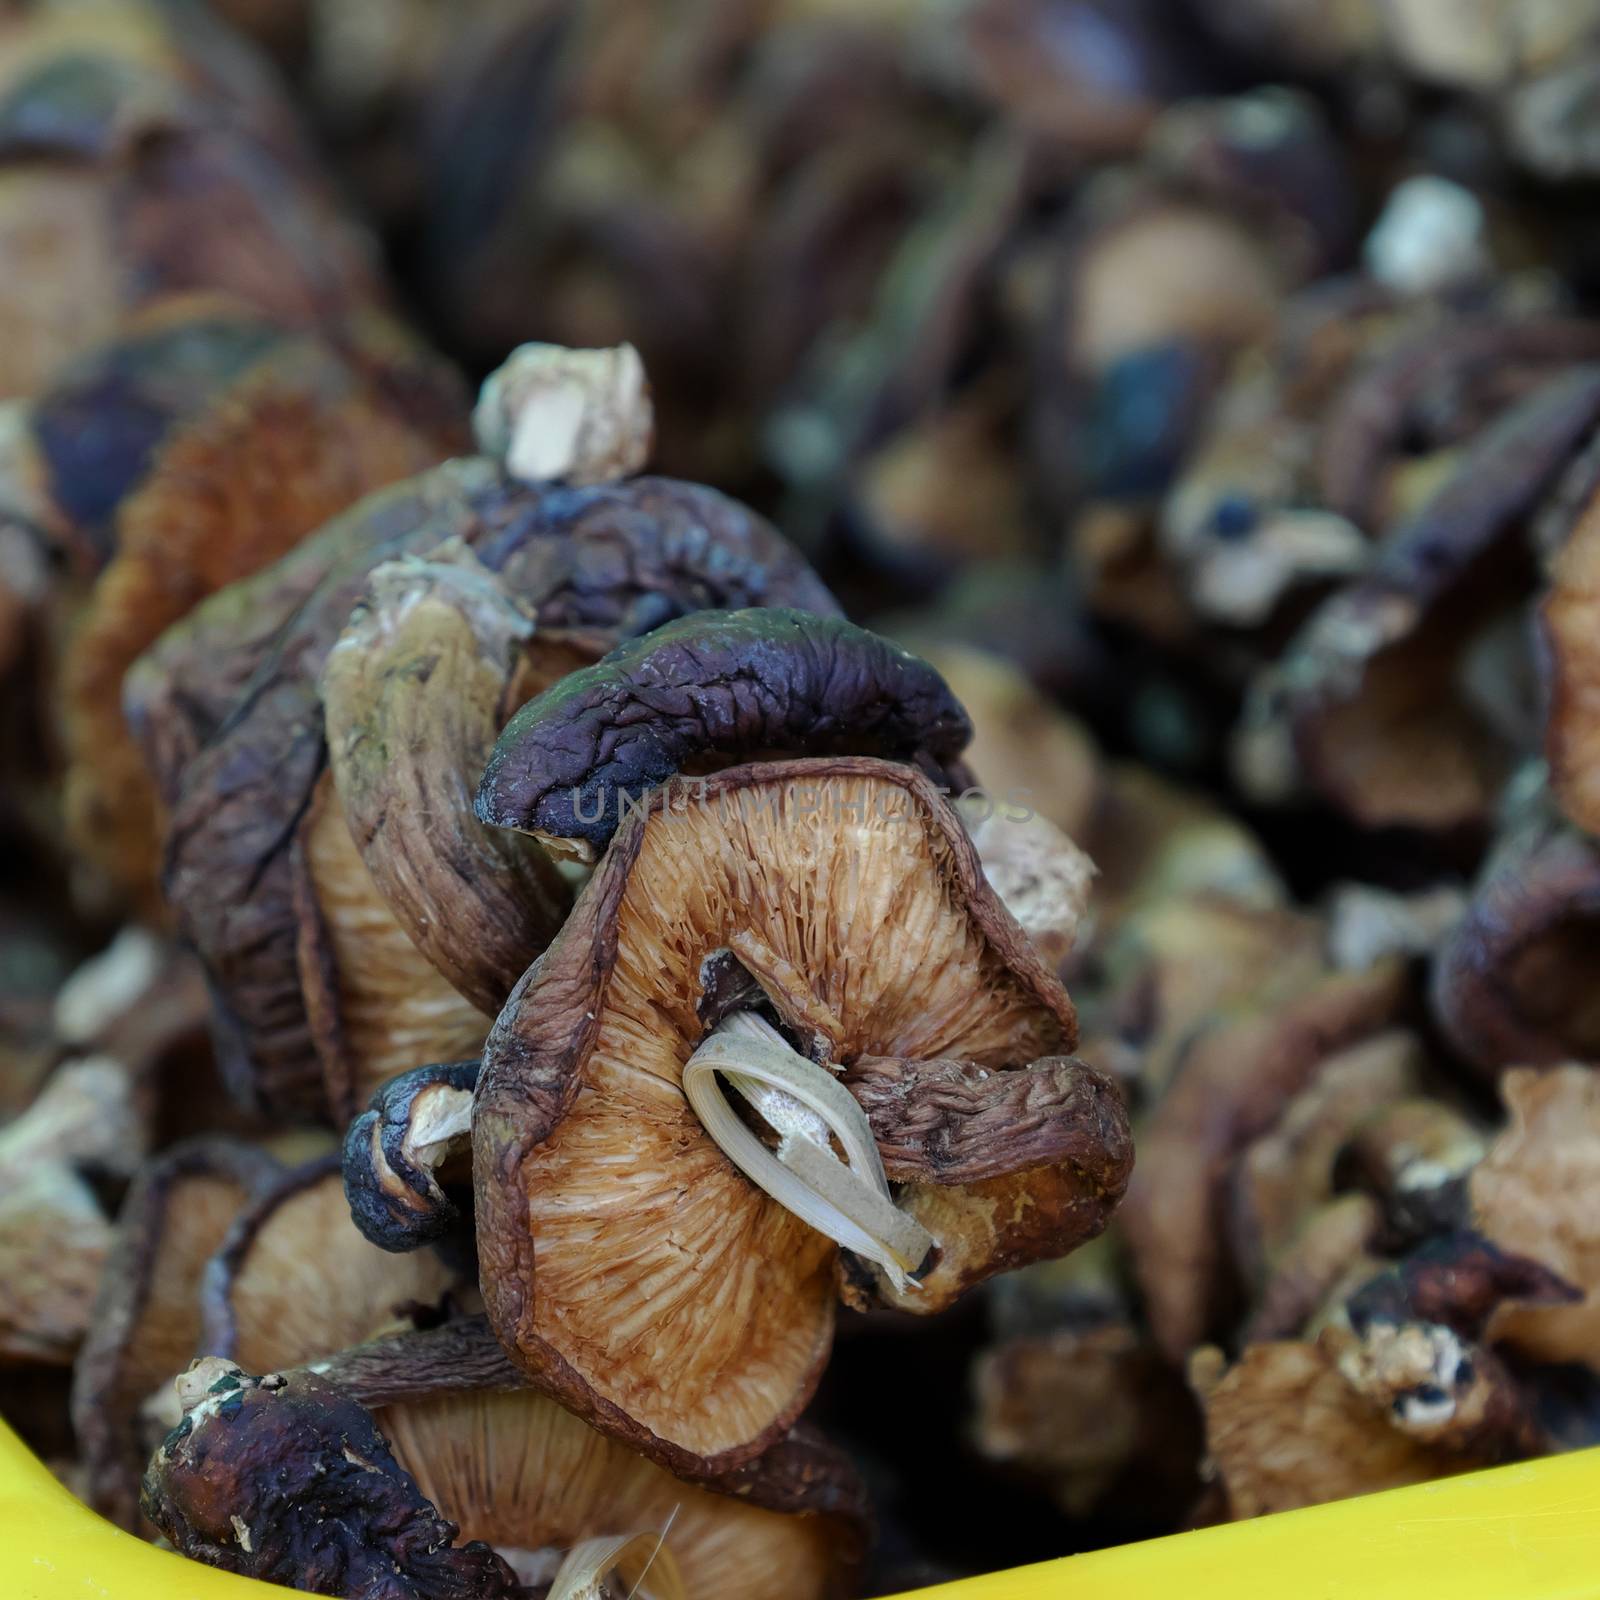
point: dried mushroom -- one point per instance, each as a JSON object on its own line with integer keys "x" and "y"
{"x": 146, "y": 1320}
{"x": 1289, "y": 1172}
{"x": 740, "y": 683}
{"x": 1408, "y": 1341}
{"x": 1097, "y": 1412}
{"x": 513, "y": 1472}
{"x": 414, "y": 1137}
{"x": 1367, "y": 704}
{"x": 294, "y": 1279}
{"x": 1417, "y": 1158}
{"x": 1232, "y": 1084}
{"x": 54, "y": 1241}
{"x": 141, "y": 156}
{"x": 1510, "y": 982}
{"x": 1284, "y": 1430}
{"x": 287, "y": 1479}
{"x": 1567, "y": 616}
{"x": 843, "y": 895}
{"x": 263, "y": 867}
{"x": 1530, "y": 1193}
{"x": 193, "y": 450}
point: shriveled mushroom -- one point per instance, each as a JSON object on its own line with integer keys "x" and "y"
{"x": 1368, "y": 698}
{"x": 1510, "y": 983}
{"x": 1531, "y": 1193}
{"x": 398, "y": 1152}
{"x": 1416, "y": 1157}
{"x": 741, "y": 683}
{"x": 675, "y": 1302}
{"x": 1097, "y": 1413}
{"x": 1284, "y": 1430}
{"x": 509, "y": 1469}
{"x": 146, "y": 1320}
{"x": 141, "y": 155}
{"x": 1232, "y": 1085}
{"x": 1410, "y": 1341}
{"x": 295, "y": 1280}
{"x": 288, "y": 1479}
{"x": 1287, "y": 1174}
{"x": 234, "y": 438}
{"x": 577, "y": 569}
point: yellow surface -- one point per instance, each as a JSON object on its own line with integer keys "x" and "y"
{"x": 1527, "y": 1532}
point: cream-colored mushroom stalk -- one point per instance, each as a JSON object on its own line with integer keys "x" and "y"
{"x": 808, "y": 1108}
{"x": 640, "y": 1562}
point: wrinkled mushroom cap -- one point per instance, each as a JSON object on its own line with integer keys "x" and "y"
{"x": 624, "y": 1258}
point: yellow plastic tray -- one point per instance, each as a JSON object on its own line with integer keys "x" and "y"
{"x": 1529, "y": 1532}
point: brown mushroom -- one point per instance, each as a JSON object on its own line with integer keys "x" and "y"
{"x": 1567, "y": 630}
{"x": 1369, "y": 697}
{"x": 1531, "y": 1193}
{"x": 414, "y": 1137}
{"x": 287, "y": 1479}
{"x": 1232, "y": 1085}
{"x": 1410, "y": 1340}
{"x": 1416, "y": 1157}
{"x": 512, "y": 1472}
{"x": 140, "y": 156}
{"x": 1284, "y": 1430}
{"x": 1097, "y": 1413}
{"x": 1510, "y": 983}
{"x": 1287, "y": 1174}
{"x": 675, "y": 1303}
{"x": 585, "y": 566}
{"x": 295, "y": 1280}
{"x": 146, "y": 1320}
{"x": 192, "y": 450}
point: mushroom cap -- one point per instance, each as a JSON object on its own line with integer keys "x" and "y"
{"x": 295, "y": 1280}
{"x": 288, "y": 1479}
{"x": 624, "y": 1259}
{"x": 230, "y": 441}
{"x": 140, "y": 157}
{"x": 1285, "y": 1430}
{"x": 1366, "y": 700}
{"x": 518, "y": 1472}
{"x": 736, "y": 683}
{"x": 1533, "y": 1192}
{"x": 589, "y": 565}
{"x": 146, "y": 1320}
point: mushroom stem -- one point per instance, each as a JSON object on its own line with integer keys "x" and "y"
{"x": 632, "y": 1557}
{"x": 806, "y": 1106}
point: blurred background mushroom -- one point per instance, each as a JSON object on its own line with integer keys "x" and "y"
{"x": 1205, "y": 392}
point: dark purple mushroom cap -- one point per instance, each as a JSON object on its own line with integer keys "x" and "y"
{"x": 728, "y": 684}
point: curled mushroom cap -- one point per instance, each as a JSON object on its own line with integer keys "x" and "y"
{"x": 294, "y": 1279}
{"x": 417, "y": 1124}
{"x": 1233, "y": 1084}
{"x": 1511, "y": 981}
{"x": 1285, "y": 1430}
{"x": 512, "y": 1472}
{"x": 737, "y": 683}
{"x": 1370, "y": 695}
{"x": 231, "y": 441}
{"x": 584, "y": 565}
{"x": 1567, "y": 617}
{"x": 146, "y": 1322}
{"x": 624, "y": 1257}
{"x": 1410, "y": 1340}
